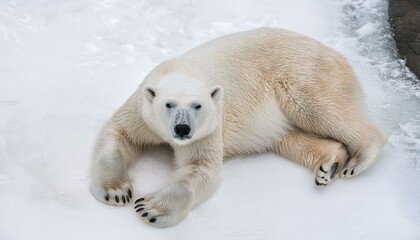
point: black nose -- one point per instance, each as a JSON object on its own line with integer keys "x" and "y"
{"x": 182, "y": 130}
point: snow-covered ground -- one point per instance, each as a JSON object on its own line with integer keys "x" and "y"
{"x": 66, "y": 66}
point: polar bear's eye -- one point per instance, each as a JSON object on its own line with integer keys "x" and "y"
{"x": 168, "y": 105}
{"x": 197, "y": 107}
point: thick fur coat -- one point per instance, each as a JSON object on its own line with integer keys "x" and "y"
{"x": 263, "y": 90}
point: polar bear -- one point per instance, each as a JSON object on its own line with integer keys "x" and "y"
{"x": 262, "y": 90}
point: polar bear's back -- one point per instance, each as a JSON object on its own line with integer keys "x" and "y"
{"x": 257, "y": 60}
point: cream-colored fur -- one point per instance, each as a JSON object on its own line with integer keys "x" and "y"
{"x": 262, "y": 90}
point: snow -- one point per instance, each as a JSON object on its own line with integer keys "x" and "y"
{"x": 66, "y": 66}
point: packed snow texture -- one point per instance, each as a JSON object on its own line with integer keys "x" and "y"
{"x": 66, "y": 66}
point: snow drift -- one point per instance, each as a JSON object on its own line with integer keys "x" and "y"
{"x": 66, "y": 66}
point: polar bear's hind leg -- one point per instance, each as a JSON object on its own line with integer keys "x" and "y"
{"x": 341, "y": 119}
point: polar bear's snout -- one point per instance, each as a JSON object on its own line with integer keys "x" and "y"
{"x": 182, "y": 125}
{"x": 182, "y": 130}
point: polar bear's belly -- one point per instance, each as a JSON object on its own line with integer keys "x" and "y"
{"x": 256, "y": 131}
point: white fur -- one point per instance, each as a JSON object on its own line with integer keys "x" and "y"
{"x": 261, "y": 90}
{"x": 259, "y": 130}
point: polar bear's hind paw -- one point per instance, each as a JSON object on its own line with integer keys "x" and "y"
{"x": 324, "y": 176}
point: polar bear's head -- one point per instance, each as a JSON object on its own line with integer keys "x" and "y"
{"x": 180, "y": 109}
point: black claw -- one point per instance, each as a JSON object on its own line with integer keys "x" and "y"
{"x": 139, "y": 205}
{"x": 139, "y": 200}
{"x": 333, "y": 169}
{"x": 145, "y": 214}
{"x": 123, "y": 199}
{"x": 107, "y": 197}
{"x": 129, "y": 193}
{"x": 152, "y": 220}
{"x": 322, "y": 169}
{"x": 345, "y": 172}
{"x": 140, "y": 209}
{"x": 128, "y": 199}
{"x": 319, "y": 184}
{"x": 352, "y": 171}
{"x": 117, "y": 199}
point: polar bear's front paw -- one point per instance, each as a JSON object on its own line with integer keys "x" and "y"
{"x": 165, "y": 207}
{"x": 116, "y": 194}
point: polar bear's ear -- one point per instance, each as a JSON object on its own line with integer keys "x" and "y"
{"x": 149, "y": 92}
{"x": 216, "y": 93}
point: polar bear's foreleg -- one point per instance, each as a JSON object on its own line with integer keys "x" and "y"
{"x": 196, "y": 178}
{"x": 323, "y": 156}
{"x": 110, "y": 183}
